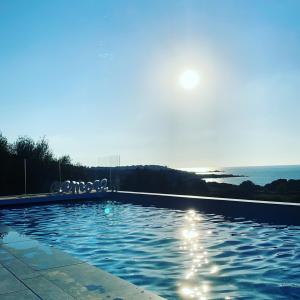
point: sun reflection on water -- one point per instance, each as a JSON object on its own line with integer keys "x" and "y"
{"x": 192, "y": 285}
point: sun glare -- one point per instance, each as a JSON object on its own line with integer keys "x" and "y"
{"x": 189, "y": 79}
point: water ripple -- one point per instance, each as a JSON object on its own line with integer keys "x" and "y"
{"x": 178, "y": 254}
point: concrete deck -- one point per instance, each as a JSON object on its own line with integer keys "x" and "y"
{"x": 48, "y": 198}
{"x": 30, "y": 270}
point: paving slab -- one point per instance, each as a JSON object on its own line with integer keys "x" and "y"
{"x": 21, "y": 295}
{"x": 39, "y": 256}
{"x": 46, "y": 289}
{"x": 9, "y": 283}
{"x": 19, "y": 269}
{"x": 84, "y": 281}
{"x": 5, "y": 255}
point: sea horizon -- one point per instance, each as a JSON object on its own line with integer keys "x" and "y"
{"x": 259, "y": 175}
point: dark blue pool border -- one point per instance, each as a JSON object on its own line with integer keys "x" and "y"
{"x": 40, "y": 199}
{"x": 285, "y": 213}
{"x": 262, "y": 211}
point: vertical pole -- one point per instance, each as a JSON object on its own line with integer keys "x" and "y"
{"x": 110, "y": 177}
{"x": 59, "y": 171}
{"x": 25, "y": 176}
{"x": 119, "y": 171}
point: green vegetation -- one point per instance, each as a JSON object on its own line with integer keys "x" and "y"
{"x": 157, "y": 179}
{"x": 43, "y": 169}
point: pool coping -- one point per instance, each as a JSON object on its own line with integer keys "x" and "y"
{"x": 16, "y": 200}
{"x": 31, "y": 270}
{"x": 211, "y": 198}
{"x": 57, "y": 197}
{"x": 285, "y": 213}
{"x": 281, "y": 213}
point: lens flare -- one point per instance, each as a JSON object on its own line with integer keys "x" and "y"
{"x": 189, "y": 79}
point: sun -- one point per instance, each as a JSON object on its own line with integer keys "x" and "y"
{"x": 189, "y": 79}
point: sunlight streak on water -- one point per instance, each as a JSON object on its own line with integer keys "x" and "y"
{"x": 189, "y": 287}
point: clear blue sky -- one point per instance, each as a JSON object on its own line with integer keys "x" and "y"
{"x": 101, "y": 77}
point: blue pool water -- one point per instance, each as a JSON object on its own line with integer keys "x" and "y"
{"x": 177, "y": 254}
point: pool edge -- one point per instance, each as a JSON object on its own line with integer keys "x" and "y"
{"x": 49, "y": 273}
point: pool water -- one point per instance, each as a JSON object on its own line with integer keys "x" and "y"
{"x": 177, "y": 254}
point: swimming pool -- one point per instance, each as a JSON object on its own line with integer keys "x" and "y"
{"x": 179, "y": 254}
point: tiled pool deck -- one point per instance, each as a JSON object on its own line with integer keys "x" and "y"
{"x": 31, "y": 270}
{"x": 48, "y": 198}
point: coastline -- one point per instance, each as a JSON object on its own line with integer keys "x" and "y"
{"x": 259, "y": 175}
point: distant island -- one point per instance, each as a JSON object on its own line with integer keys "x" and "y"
{"x": 203, "y": 176}
{"x": 216, "y": 174}
{"x": 43, "y": 166}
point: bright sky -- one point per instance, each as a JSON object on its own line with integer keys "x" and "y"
{"x": 105, "y": 77}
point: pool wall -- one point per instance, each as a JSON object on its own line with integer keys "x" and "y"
{"x": 261, "y": 211}
{"x": 48, "y": 198}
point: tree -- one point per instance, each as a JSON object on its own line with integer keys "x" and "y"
{"x": 248, "y": 187}
{"x": 4, "y": 146}
{"x": 42, "y": 150}
{"x": 65, "y": 160}
{"x": 24, "y": 147}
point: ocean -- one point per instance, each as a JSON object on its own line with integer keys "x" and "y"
{"x": 260, "y": 175}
